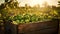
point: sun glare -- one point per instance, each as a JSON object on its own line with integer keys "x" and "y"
{"x": 34, "y": 2}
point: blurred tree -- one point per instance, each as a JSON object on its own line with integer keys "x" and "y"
{"x": 6, "y": 0}
{"x": 9, "y": 6}
{"x": 45, "y": 4}
{"x": 37, "y": 6}
{"x": 58, "y": 8}
{"x": 59, "y": 2}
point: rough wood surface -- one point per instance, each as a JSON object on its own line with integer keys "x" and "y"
{"x": 48, "y": 27}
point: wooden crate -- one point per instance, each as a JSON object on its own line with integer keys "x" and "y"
{"x": 2, "y": 30}
{"x": 46, "y": 27}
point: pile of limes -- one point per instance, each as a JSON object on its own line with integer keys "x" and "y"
{"x": 27, "y": 18}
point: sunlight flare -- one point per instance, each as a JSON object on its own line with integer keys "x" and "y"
{"x": 34, "y": 2}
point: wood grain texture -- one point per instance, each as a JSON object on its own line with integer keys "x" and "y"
{"x": 47, "y": 27}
